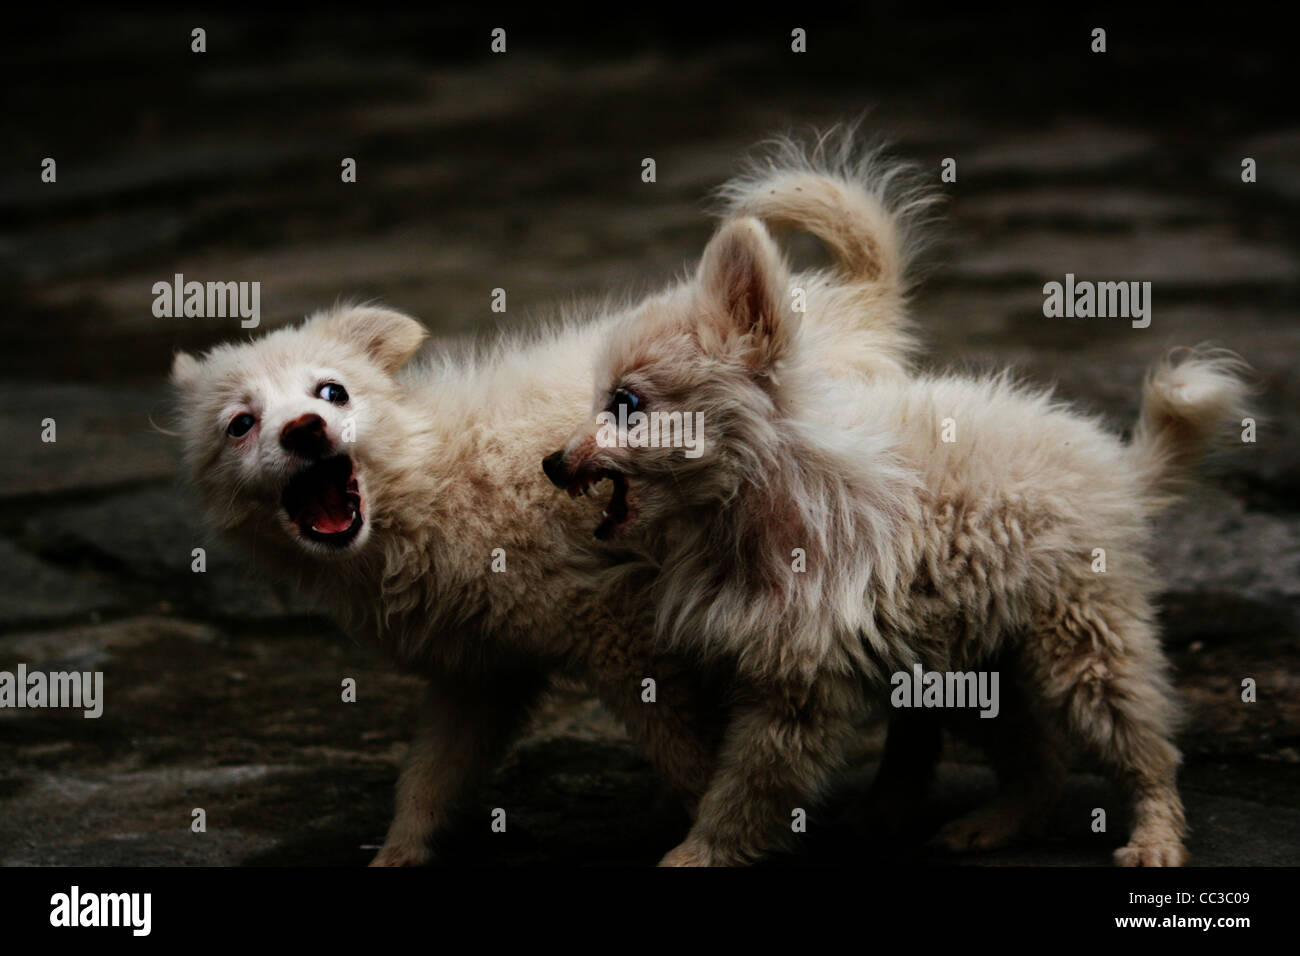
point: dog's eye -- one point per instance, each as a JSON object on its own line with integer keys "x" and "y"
{"x": 240, "y": 424}
{"x": 333, "y": 392}
{"x": 624, "y": 399}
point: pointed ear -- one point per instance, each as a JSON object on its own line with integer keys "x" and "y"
{"x": 744, "y": 276}
{"x": 389, "y": 338}
{"x": 185, "y": 370}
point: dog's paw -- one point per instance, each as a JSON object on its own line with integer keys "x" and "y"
{"x": 402, "y": 854}
{"x": 984, "y": 829}
{"x": 689, "y": 853}
{"x": 1160, "y": 854}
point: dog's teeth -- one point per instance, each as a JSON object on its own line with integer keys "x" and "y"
{"x": 604, "y": 514}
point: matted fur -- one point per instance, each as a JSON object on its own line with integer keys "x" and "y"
{"x": 446, "y": 456}
{"x": 960, "y": 555}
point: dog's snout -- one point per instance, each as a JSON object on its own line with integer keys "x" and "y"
{"x": 305, "y": 436}
{"x": 555, "y": 470}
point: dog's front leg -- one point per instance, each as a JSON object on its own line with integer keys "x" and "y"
{"x": 778, "y": 755}
{"x": 465, "y": 726}
{"x": 678, "y": 728}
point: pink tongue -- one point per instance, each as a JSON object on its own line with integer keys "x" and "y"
{"x": 330, "y": 513}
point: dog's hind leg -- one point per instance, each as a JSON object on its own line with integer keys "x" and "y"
{"x": 1028, "y": 756}
{"x": 1104, "y": 668}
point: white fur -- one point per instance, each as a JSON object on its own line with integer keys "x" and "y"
{"x": 975, "y": 553}
{"x": 447, "y": 457}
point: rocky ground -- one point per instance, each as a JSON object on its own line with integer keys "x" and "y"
{"x": 523, "y": 171}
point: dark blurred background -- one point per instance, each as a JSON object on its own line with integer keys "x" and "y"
{"x": 522, "y": 171}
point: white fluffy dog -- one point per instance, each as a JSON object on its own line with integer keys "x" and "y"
{"x": 836, "y": 531}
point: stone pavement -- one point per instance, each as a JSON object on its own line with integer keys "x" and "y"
{"x": 523, "y": 172}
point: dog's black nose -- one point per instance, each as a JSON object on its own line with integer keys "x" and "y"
{"x": 553, "y": 465}
{"x": 305, "y": 436}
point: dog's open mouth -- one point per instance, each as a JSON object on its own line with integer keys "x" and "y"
{"x": 324, "y": 501}
{"x": 616, "y": 512}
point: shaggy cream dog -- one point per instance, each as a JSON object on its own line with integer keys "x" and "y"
{"x": 407, "y": 496}
{"x": 836, "y": 531}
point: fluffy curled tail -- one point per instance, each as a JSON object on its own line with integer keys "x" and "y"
{"x": 1187, "y": 403}
{"x": 866, "y": 209}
